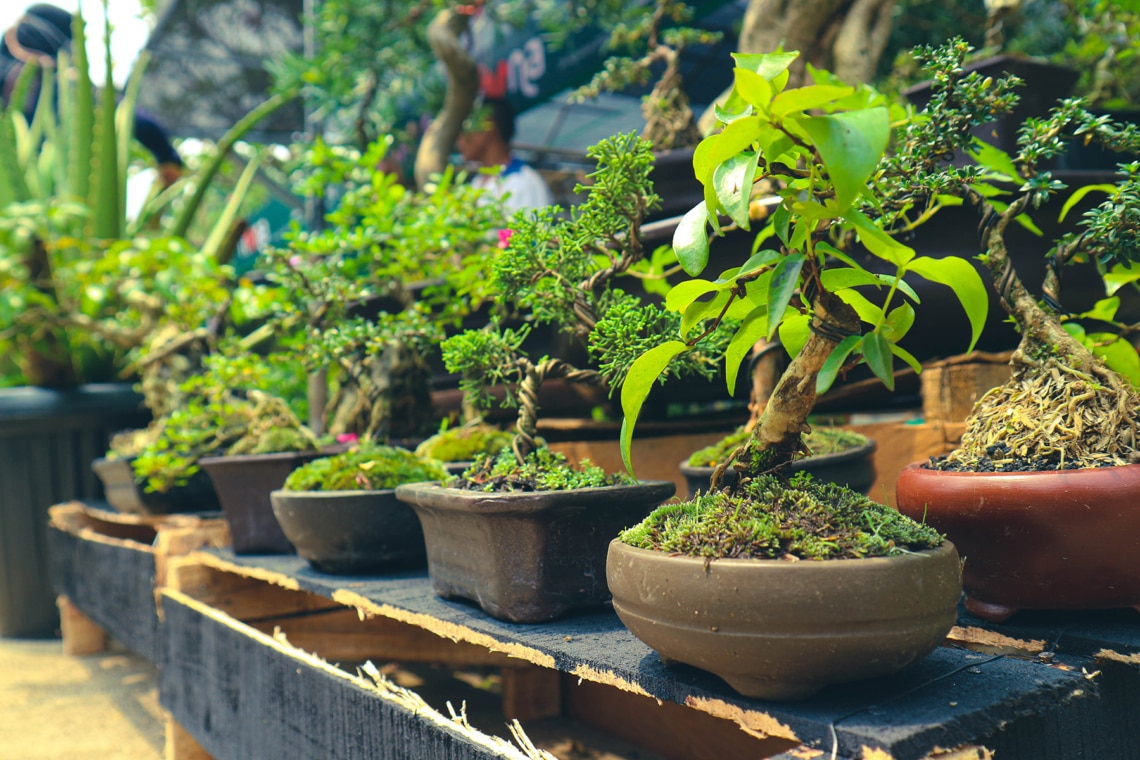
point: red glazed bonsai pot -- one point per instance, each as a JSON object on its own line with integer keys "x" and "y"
{"x": 1049, "y": 540}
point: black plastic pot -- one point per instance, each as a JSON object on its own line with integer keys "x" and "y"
{"x": 48, "y": 439}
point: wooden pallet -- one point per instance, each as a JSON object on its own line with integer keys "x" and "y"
{"x": 1022, "y": 689}
{"x": 106, "y": 567}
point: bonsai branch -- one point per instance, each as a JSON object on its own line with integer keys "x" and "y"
{"x": 533, "y": 376}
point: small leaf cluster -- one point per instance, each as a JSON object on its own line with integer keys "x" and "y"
{"x": 485, "y": 358}
{"x": 368, "y": 467}
{"x": 771, "y": 518}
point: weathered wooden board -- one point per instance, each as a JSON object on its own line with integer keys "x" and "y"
{"x": 247, "y": 696}
{"x": 952, "y": 698}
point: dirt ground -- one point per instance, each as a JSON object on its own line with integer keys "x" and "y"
{"x": 57, "y": 707}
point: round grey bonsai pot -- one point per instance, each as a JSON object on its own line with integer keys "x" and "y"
{"x": 350, "y": 532}
{"x": 784, "y": 630}
{"x": 526, "y": 557}
{"x": 854, "y": 468}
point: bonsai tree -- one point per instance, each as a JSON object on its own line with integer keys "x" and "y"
{"x": 371, "y": 295}
{"x": 824, "y": 146}
{"x": 562, "y": 271}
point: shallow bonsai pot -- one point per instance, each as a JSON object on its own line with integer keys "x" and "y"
{"x": 1050, "y": 540}
{"x": 127, "y": 494}
{"x": 526, "y": 557}
{"x": 784, "y": 630}
{"x": 243, "y": 483}
{"x": 348, "y": 532}
{"x": 854, "y": 468}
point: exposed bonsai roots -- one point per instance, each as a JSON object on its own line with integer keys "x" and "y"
{"x": 1055, "y": 412}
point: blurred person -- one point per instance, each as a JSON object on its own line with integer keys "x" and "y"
{"x": 486, "y": 142}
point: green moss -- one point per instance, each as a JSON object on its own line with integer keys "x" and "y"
{"x": 273, "y": 441}
{"x": 369, "y": 467}
{"x": 821, "y": 440}
{"x": 464, "y": 444}
{"x": 543, "y": 470}
{"x": 773, "y": 518}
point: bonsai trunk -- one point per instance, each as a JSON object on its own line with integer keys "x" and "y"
{"x": 47, "y": 360}
{"x": 776, "y": 437}
{"x": 1062, "y": 404}
{"x": 534, "y": 375}
{"x": 444, "y": 34}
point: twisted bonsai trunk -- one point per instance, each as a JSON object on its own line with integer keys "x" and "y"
{"x": 534, "y": 375}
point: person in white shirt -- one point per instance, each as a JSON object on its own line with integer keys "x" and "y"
{"x": 486, "y": 142}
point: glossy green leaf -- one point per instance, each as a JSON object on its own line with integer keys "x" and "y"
{"x": 733, "y": 183}
{"x": 782, "y": 222}
{"x": 961, "y": 277}
{"x": 834, "y": 362}
{"x": 807, "y": 98}
{"x": 850, "y": 145}
{"x": 785, "y": 280}
{"x": 899, "y": 321}
{"x": 767, "y": 65}
{"x": 867, "y": 311}
{"x": 751, "y": 331}
{"x": 684, "y": 293}
{"x": 877, "y": 352}
{"x": 1118, "y": 354}
{"x": 794, "y": 333}
{"x": 759, "y": 260}
{"x": 878, "y": 242}
{"x": 715, "y": 149}
{"x": 643, "y": 373}
{"x": 691, "y": 240}
{"x": 838, "y": 278}
{"x": 1079, "y": 194}
{"x": 907, "y": 357}
{"x": 698, "y": 311}
{"x": 1105, "y": 309}
{"x": 1119, "y": 276}
{"x": 754, "y": 89}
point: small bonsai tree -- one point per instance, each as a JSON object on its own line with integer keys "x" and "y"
{"x": 562, "y": 272}
{"x": 368, "y": 467}
{"x": 824, "y": 146}
{"x": 371, "y": 295}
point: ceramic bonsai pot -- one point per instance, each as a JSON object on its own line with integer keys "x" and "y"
{"x": 127, "y": 494}
{"x": 526, "y": 557}
{"x": 244, "y": 483}
{"x": 784, "y": 630}
{"x": 1052, "y": 540}
{"x": 350, "y": 532}
{"x": 854, "y": 468}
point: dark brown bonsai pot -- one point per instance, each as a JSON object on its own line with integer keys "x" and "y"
{"x": 243, "y": 483}
{"x": 526, "y": 557}
{"x": 127, "y": 494}
{"x": 350, "y": 532}
{"x": 854, "y": 468}
{"x": 784, "y": 630}
{"x": 1049, "y": 540}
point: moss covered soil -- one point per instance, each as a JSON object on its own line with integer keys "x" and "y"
{"x": 369, "y": 467}
{"x": 543, "y": 470}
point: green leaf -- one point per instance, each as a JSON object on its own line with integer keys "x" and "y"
{"x": 751, "y": 330}
{"x": 753, "y": 88}
{"x": 851, "y": 145}
{"x": 899, "y": 321}
{"x": 759, "y": 260}
{"x": 733, "y": 183}
{"x": 1118, "y": 354}
{"x": 767, "y": 65}
{"x": 1119, "y": 276}
{"x": 785, "y": 279}
{"x": 794, "y": 333}
{"x": 638, "y": 382}
{"x": 907, "y": 357}
{"x": 806, "y": 98}
{"x": 698, "y": 311}
{"x": 834, "y": 362}
{"x": 1079, "y": 194}
{"x": 877, "y": 352}
{"x": 727, "y": 117}
{"x": 960, "y": 276}
{"x": 1105, "y": 309}
{"x": 684, "y": 293}
{"x": 838, "y": 278}
{"x": 782, "y": 222}
{"x": 715, "y": 149}
{"x": 867, "y": 311}
{"x": 878, "y": 242}
{"x": 993, "y": 158}
{"x": 691, "y": 241}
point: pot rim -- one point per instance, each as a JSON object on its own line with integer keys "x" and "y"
{"x": 835, "y": 457}
{"x": 276, "y": 456}
{"x": 776, "y": 565}
{"x": 434, "y": 485}
{"x": 927, "y": 472}
{"x": 282, "y": 493}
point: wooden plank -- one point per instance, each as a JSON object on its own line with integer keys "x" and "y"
{"x": 339, "y": 635}
{"x": 244, "y": 695}
{"x": 81, "y": 635}
{"x": 531, "y": 692}
{"x": 248, "y": 597}
{"x": 952, "y": 698}
{"x": 668, "y": 729}
{"x": 951, "y": 387}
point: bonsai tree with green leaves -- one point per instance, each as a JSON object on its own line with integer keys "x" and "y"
{"x": 370, "y": 296}
{"x": 563, "y": 271}
{"x": 824, "y": 147}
